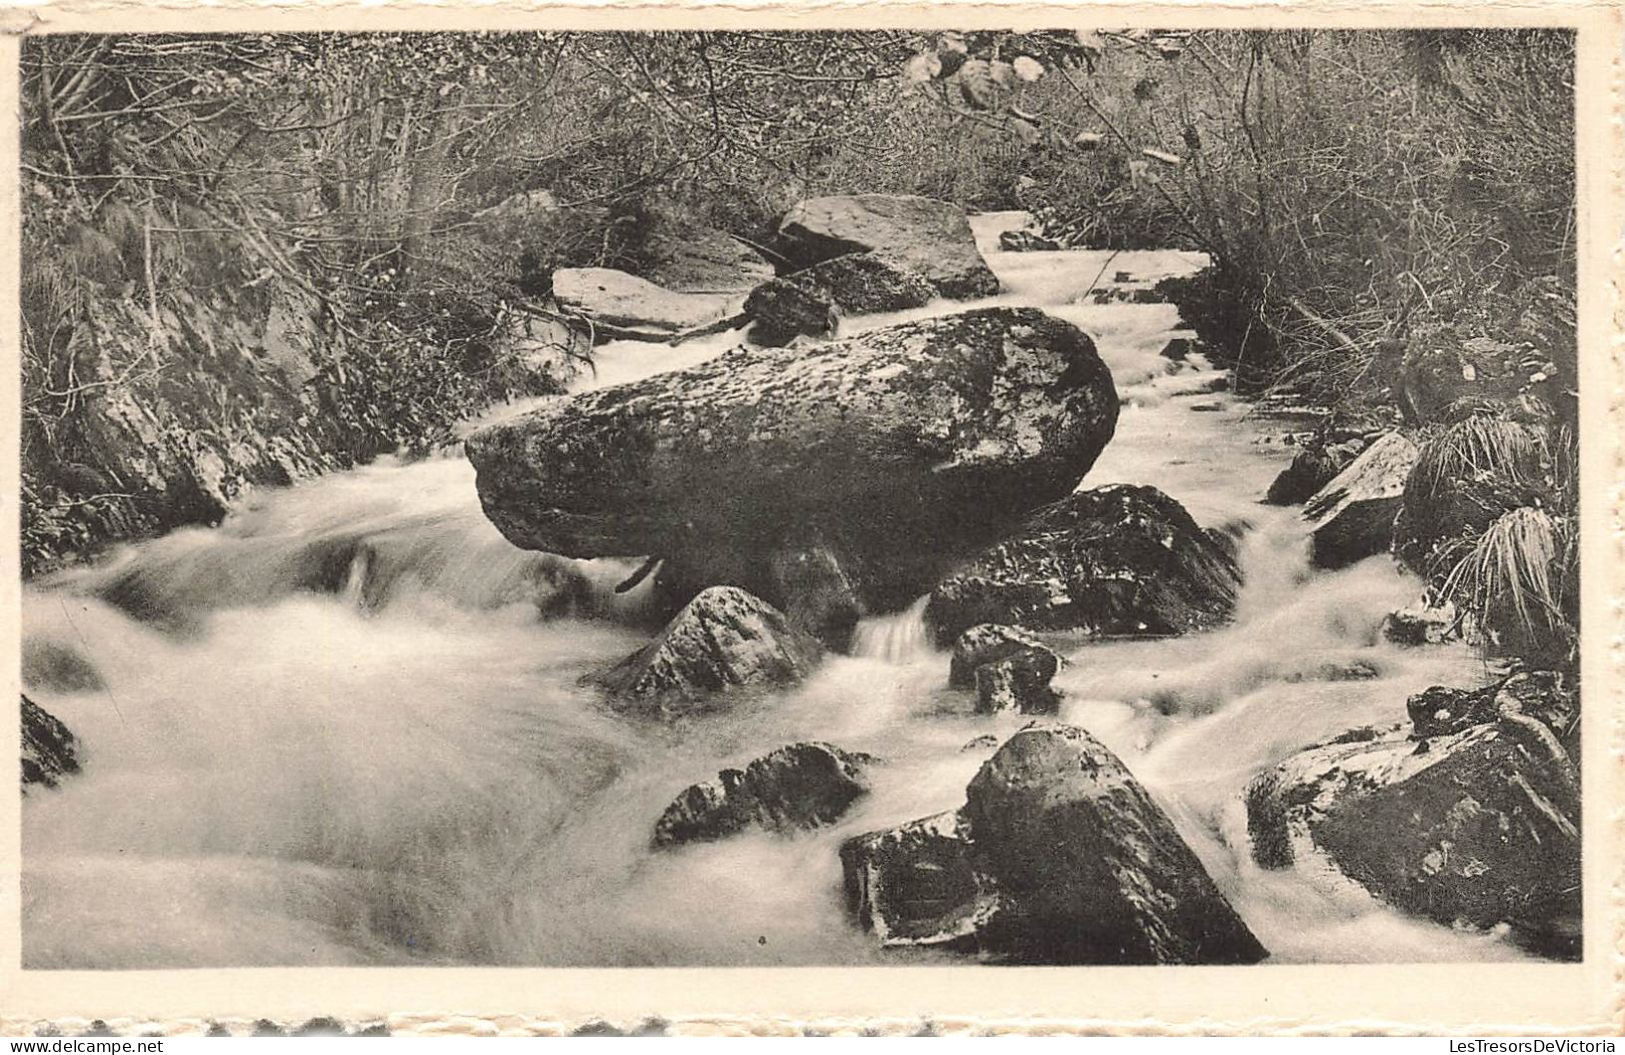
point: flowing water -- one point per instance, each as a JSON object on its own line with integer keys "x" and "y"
{"x": 345, "y": 726}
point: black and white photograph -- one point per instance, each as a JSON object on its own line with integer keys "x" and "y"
{"x": 783, "y": 497}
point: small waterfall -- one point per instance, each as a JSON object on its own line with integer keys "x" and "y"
{"x": 898, "y": 637}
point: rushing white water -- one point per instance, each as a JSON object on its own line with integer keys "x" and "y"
{"x": 345, "y": 726}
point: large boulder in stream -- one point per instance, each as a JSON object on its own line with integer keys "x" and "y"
{"x": 795, "y": 788}
{"x": 1353, "y": 515}
{"x": 723, "y": 641}
{"x": 887, "y": 456}
{"x": 1116, "y": 560}
{"x": 49, "y": 750}
{"x": 930, "y": 238}
{"x": 1469, "y": 816}
{"x": 1059, "y": 856}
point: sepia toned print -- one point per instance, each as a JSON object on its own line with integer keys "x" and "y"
{"x": 921, "y": 498}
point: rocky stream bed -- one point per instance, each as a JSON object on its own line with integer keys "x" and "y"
{"x": 971, "y": 638}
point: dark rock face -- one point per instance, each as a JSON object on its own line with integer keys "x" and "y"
{"x": 798, "y": 787}
{"x": 49, "y": 750}
{"x": 1114, "y": 560}
{"x": 1312, "y": 469}
{"x": 1354, "y": 513}
{"x": 1476, "y": 825}
{"x": 723, "y": 640}
{"x": 902, "y": 448}
{"x": 811, "y": 301}
{"x": 1059, "y": 856}
{"x": 930, "y": 238}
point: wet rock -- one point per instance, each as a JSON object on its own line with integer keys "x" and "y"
{"x": 812, "y": 301}
{"x": 1422, "y": 624}
{"x": 783, "y": 310}
{"x": 1480, "y": 828}
{"x": 1010, "y": 670}
{"x": 795, "y": 788}
{"x": 930, "y": 238}
{"x": 903, "y": 449}
{"x": 614, "y": 298}
{"x": 980, "y": 743}
{"x": 1314, "y": 466}
{"x": 49, "y": 750}
{"x": 723, "y": 640}
{"x": 1117, "y": 560}
{"x": 986, "y": 643}
{"x": 1353, "y": 515}
{"x": 1018, "y": 682}
{"x": 1059, "y": 856}
{"x": 919, "y": 884}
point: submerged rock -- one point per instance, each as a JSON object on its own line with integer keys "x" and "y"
{"x": 725, "y": 639}
{"x": 812, "y": 301}
{"x": 927, "y": 237}
{"x": 1114, "y": 560}
{"x": 1477, "y": 825}
{"x": 55, "y": 666}
{"x": 1353, "y": 515}
{"x": 902, "y": 449}
{"x": 797, "y": 787}
{"x": 49, "y": 750}
{"x": 603, "y": 295}
{"x": 1059, "y": 856}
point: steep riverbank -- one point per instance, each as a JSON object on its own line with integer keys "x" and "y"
{"x": 334, "y": 730}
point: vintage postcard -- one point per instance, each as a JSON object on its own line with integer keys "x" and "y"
{"x": 764, "y": 518}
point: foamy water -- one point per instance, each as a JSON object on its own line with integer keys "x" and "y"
{"x": 345, "y": 726}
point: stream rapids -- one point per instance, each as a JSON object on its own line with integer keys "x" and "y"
{"x": 344, "y": 726}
